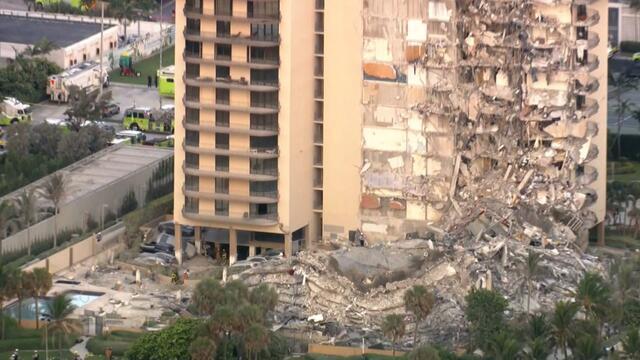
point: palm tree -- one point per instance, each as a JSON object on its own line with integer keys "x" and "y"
{"x": 28, "y": 285}
{"x": 15, "y": 289}
{"x": 622, "y": 83}
{"x": 631, "y": 343}
{"x": 539, "y": 349}
{"x": 5, "y": 294}
{"x": 420, "y": 302}
{"x": 587, "y": 348}
{"x": 54, "y": 190}
{"x": 123, "y": 11}
{"x": 27, "y": 208}
{"x": 562, "y": 324}
{"x": 256, "y": 339}
{"x": 59, "y": 309}
{"x": 42, "y": 283}
{"x": 504, "y": 347}
{"x": 265, "y": 297}
{"x": 208, "y": 294}
{"x": 202, "y": 348}
{"x": 6, "y": 214}
{"x": 593, "y": 295}
{"x": 393, "y": 327}
{"x": 531, "y": 271}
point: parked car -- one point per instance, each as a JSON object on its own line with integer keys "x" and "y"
{"x": 168, "y": 227}
{"x": 110, "y": 110}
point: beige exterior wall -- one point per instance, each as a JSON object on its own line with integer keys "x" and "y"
{"x": 295, "y": 122}
{"x": 342, "y": 116}
{"x": 600, "y": 140}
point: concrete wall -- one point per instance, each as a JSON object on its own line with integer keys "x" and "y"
{"x": 79, "y": 251}
{"x": 347, "y": 351}
{"x": 343, "y": 29}
{"x": 74, "y": 214}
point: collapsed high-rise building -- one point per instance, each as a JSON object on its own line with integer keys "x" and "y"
{"x": 467, "y": 108}
{"x": 301, "y": 121}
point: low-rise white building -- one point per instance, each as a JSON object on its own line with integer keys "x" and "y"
{"x": 78, "y": 38}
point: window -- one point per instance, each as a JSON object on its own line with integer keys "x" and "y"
{"x": 194, "y": 5}
{"x": 191, "y": 183}
{"x": 193, "y": 26}
{"x": 222, "y": 207}
{"x": 222, "y": 141}
{"x": 192, "y": 160}
{"x": 222, "y": 96}
{"x": 223, "y": 28}
{"x": 193, "y": 48}
{"x": 192, "y": 93}
{"x": 222, "y": 186}
{"x": 222, "y": 118}
{"x": 192, "y": 116}
{"x": 264, "y": 166}
{"x": 263, "y": 55}
{"x": 264, "y": 210}
{"x": 192, "y": 138}
{"x": 264, "y": 122}
{"x": 84, "y": 57}
{"x": 267, "y": 77}
{"x": 223, "y": 72}
{"x": 263, "y": 9}
{"x": 192, "y": 70}
{"x": 222, "y": 163}
{"x": 263, "y": 143}
{"x": 264, "y": 99}
{"x": 223, "y": 51}
{"x": 97, "y": 51}
{"x": 264, "y": 188}
{"x": 191, "y": 204}
{"x": 268, "y": 32}
{"x": 224, "y": 7}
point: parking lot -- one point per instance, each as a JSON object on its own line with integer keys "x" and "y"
{"x": 125, "y": 96}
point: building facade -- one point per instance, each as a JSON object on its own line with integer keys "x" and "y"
{"x": 309, "y": 120}
{"x": 624, "y": 22}
{"x": 449, "y": 108}
{"x": 244, "y": 123}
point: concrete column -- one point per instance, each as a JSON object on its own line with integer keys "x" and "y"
{"x": 601, "y": 234}
{"x": 233, "y": 246}
{"x": 178, "y": 244}
{"x": 252, "y": 250}
{"x": 198, "y": 240}
{"x": 288, "y": 245}
{"x": 217, "y": 251}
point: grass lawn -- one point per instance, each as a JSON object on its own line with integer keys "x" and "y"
{"x": 118, "y": 341}
{"x": 26, "y": 340}
{"x": 145, "y": 67}
{"x": 28, "y": 354}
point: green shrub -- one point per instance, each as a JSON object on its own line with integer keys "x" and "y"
{"x": 129, "y": 203}
{"x": 119, "y": 342}
{"x": 485, "y": 313}
{"x": 170, "y": 343}
{"x": 630, "y": 46}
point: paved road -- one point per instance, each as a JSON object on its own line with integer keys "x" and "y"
{"x": 125, "y": 96}
{"x": 13, "y": 5}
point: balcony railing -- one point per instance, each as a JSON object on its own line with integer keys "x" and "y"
{"x": 233, "y": 218}
{"x": 239, "y": 38}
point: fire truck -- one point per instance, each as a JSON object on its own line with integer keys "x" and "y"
{"x": 85, "y": 76}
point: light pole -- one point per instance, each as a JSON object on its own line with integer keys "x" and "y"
{"x": 161, "y": 45}
{"x": 101, "y": 44}
{"x": 47, "y": 319}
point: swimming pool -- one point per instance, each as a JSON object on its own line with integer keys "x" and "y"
{"x": 78, "y": 299}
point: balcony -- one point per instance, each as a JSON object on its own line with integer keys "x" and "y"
{"x": 592, "y": 40}
{"x": 591, "y": 18}
{"x": 251, "y": 40}
{"x": 588, "y": 109}
{"x": 230, "y": 197}
{"x": 263, "y": 109}
{"x": 229, "y": 130}
{"x": 228, "y": 83}
{"x": 591, "y": 86}
{"x": 255, "y": 153}
{"x": 254, "y": 18}
{"x": 259, "y": 64}
{"x": 233, "y": 218}
{"x": 227, "y": 175}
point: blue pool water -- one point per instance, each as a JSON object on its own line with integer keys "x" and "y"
{"x": 78, "y": 299}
